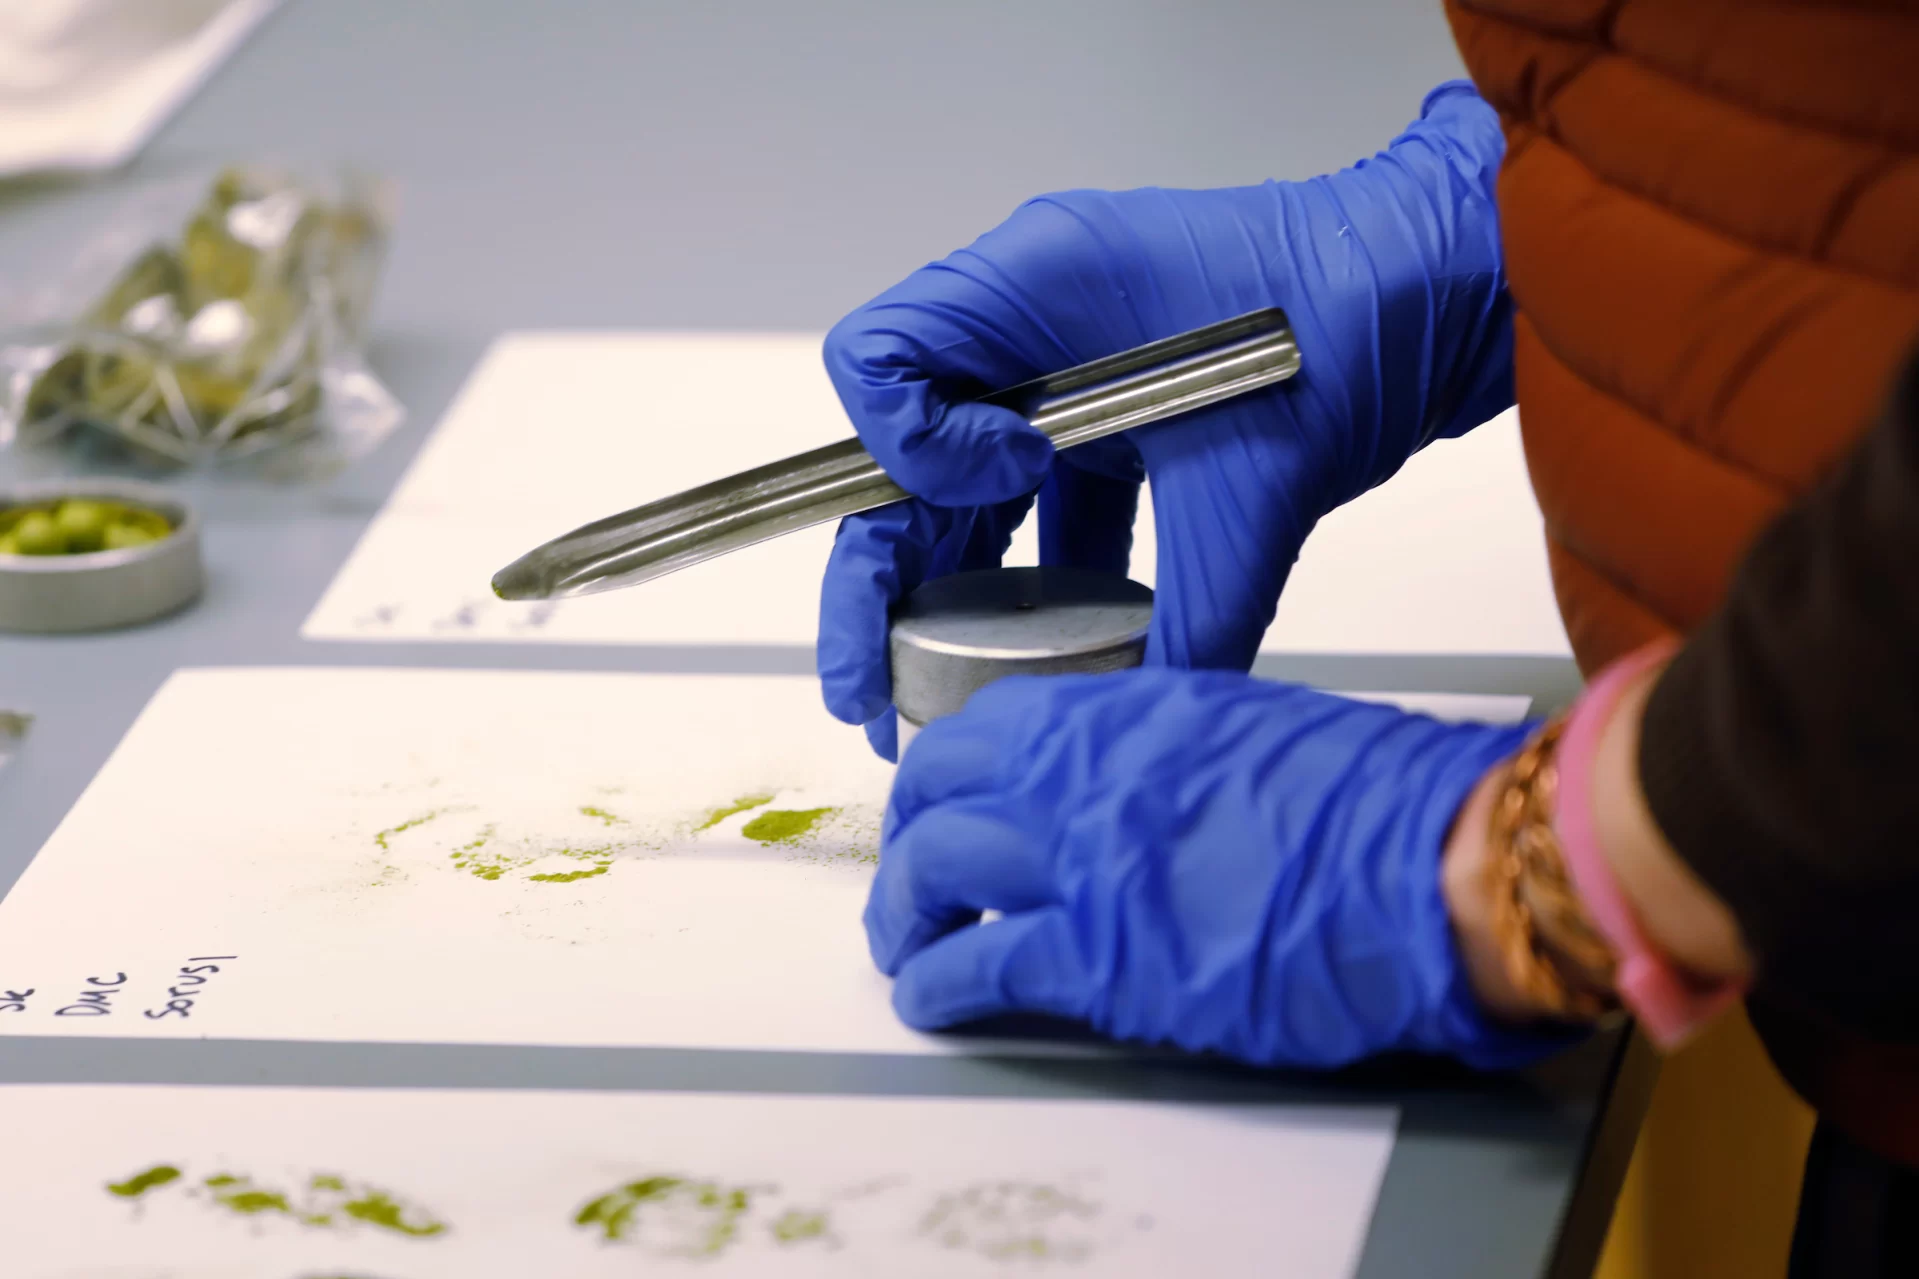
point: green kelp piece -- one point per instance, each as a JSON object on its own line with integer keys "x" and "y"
{"x": 379, "y": 1209}
{"x": 672, "y": 1215}
{"x": 141, "y": 1182}
{"x": 715, "y": 816}
{"x": 785, "y": 825}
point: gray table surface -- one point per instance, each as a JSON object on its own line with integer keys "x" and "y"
{"x": 752, "y": 164}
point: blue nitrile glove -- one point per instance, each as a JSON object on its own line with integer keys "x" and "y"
{"x": 1391, "y": 274}
{"x": 1196, "y": 858}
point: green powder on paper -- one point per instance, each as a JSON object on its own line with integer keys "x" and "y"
{"x": 785, "y": 825}
{"x": 377, "y": 1208}
{"x": 588, "y": 810}
{"x": 141, "y": 1182}
{"x": 480, "y": 859}
{"x": 740, "y": 805}
{"x": 1011, "y": 1221}
{"x": 679, "y": 1217}
{"x": 387, "y": 834}
{"x": 238, "y": 1194}
{"x": 568, "y": 877}
{"x": 328, "y": 1201}
{"x": 800, "y": 1225}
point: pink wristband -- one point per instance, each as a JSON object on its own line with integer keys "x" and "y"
{"x": 1668, "y": 1002}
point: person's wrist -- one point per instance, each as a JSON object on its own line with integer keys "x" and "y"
{"x": 1680, "y": 972}
{"x": 1682, "y": 917}
{"x": 1468, "y": 886}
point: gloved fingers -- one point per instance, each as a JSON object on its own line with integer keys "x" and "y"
{"x": 1086, "y": 518}
{"x": 1114, "y": 456}
{"x": 883, "y": 735}
{"x": 877, "y": 557}
{"x": 991, "y": 534}
{"x": 939, "y": 872}
{"x": 958, "y": 757}
{"x": 903, "y": 375}
{"x": 1029, "y": 963}
{"x": 957, "y": 452}
{"x": 1230, "y": 518}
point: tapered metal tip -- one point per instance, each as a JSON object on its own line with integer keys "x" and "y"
{"x": 522, "y": 580}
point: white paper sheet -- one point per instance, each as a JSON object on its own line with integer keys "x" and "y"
{"x": 121, "y": 70}
{"x": 467, "y": 856}
{"x": 554, "y": 429}
{"x": 493, "y": 1185}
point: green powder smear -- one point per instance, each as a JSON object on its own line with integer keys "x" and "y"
{"x": 587, "y": 810}
{"x": 800, "y": 1225}
{"x": 238, "y": 1194}
{"x": 483, "y": 861}
{"x": 387, "y": 834}
{"x": 1012, "y": 1221}
{"x": 377, "y": 1208}
{"x": 785, "y": 825}
{"x": 141, "y": 1182}
{"x": 701, "y": 1218}
{"x": 492, "y": 859}
{"x": 327, "y": 1202}
{"x": 567, "y": 877}
{"x": 740, "y": 805}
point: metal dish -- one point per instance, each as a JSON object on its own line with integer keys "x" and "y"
{"x": 99, "y": 590}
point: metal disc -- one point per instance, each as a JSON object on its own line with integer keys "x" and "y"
{"x": 957, "y": 634}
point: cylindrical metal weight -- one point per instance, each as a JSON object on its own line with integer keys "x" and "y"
{"x": 955, "y": 635}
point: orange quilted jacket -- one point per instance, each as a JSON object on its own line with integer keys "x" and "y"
{"x": 1711, "y": 218}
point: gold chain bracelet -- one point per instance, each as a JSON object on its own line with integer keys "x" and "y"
{"x": 1551, "y": 950}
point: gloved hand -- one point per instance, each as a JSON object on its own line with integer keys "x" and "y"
{"x": 1391, "y": 274}
{"x": 1200, "y": 858}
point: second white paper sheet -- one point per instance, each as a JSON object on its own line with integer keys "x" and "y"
{"x": 471, "y": 856}
{"x": 265, "y": 1183}
{"x": 555, "y": 429}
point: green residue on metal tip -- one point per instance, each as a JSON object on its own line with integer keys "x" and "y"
{"x": 376, "y": 1208}
{"x": 618, "y": 1214}
{"x": 568, "y": 877}
{"x": 141, "y": 1182}
{"x": 800, "y": 1225}
{"x": 588, "y": 810}
{"x": 740, "y": 805}
{"x": 387, "y": 834}
{"x": 785, "y": 825}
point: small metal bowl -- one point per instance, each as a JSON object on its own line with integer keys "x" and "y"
{"x": 99, "y": 590}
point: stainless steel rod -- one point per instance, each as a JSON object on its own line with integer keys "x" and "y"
{"x": 1148, "y": 384}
